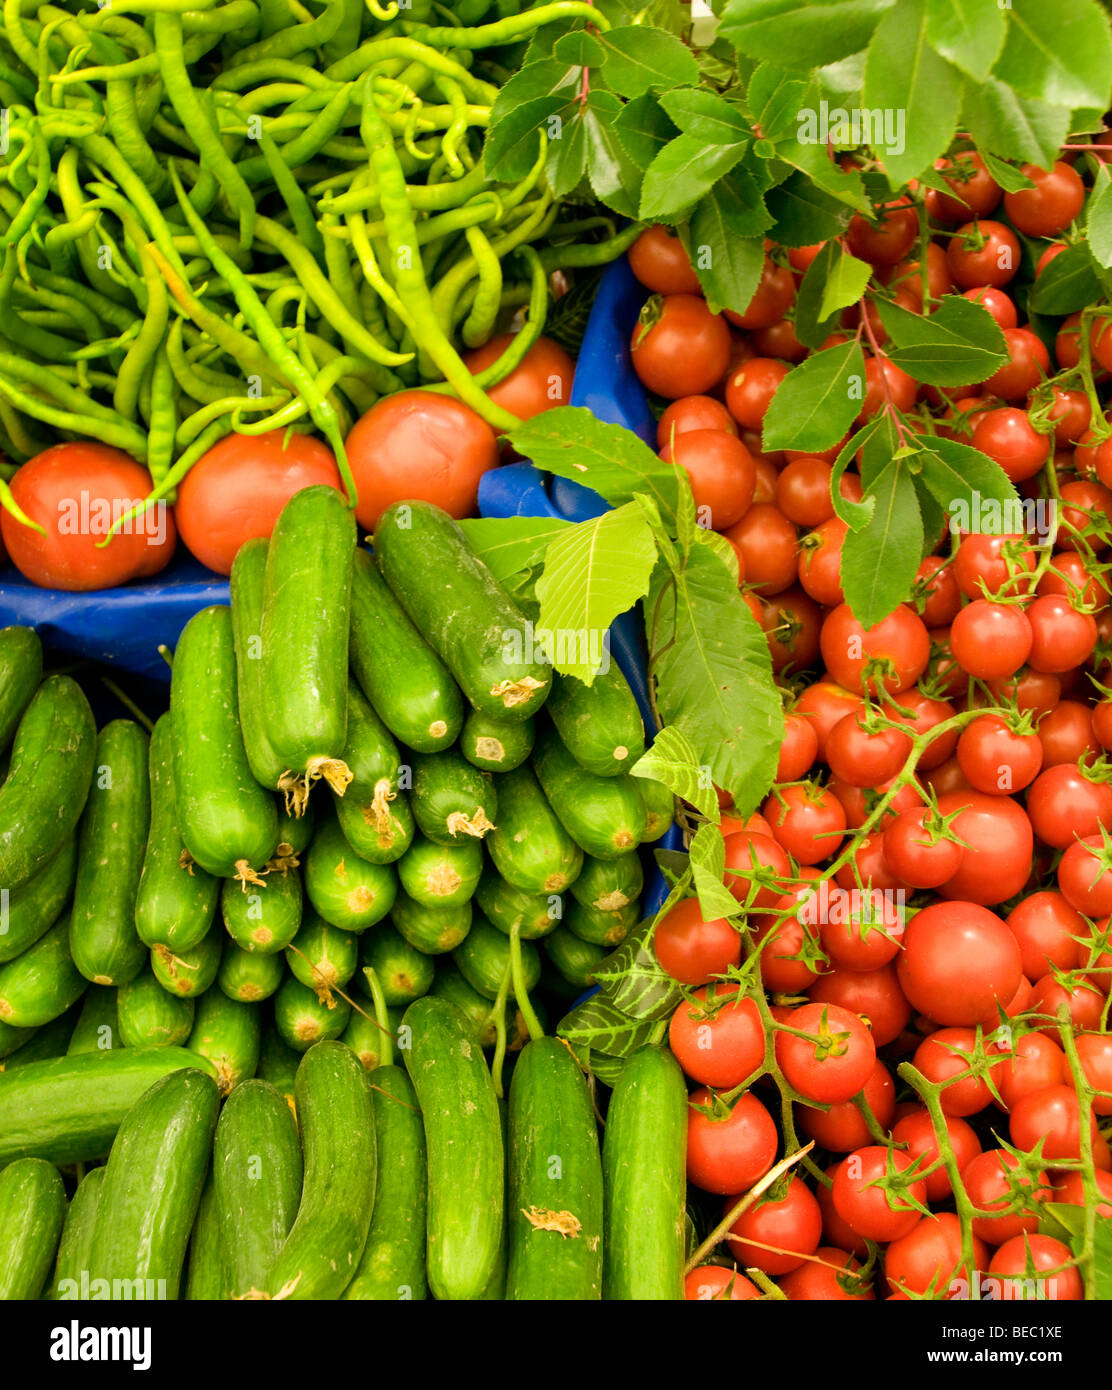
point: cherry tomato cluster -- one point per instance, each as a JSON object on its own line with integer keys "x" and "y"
{"x": 918, "y": 985}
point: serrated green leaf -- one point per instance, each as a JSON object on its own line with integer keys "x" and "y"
{"x": 810, "y": 328}
{"x": 1068, "y": 283}
{"x": 1010, "y": 179}
{"x": 672, "y": 760}
{"x": 1099, "y": 224}
{"x": 817, "y": 401}
{"x": 519, "y": 114}
{"x": 683, "y": 171}
{"x": 845, "y": 284}
{"x": 706, "y": 115}
{"x": 579, "y": 49}
{"x": 967, "y": 32}
{"x": 507, "y": 545}
{"x": 957, "y": 344}
{"x": 801, "y": 33}
{"x": 613, "y": 175}
{"x": 640, "y": 58}
{"x": 855, "y": 514}
{"x": 880, "y": 561}
{"x": 721, "y": 547}
{"x": 597, "y": 1024}
{"x": 1006, "y": 125}
{"x": 644, "y": 128}
{"x": 962, "y": 479}
{"x": 1060, "y": 53}
{"x": 811, "y": 158}
{"x": 728, "y": 250}
{"x": 774, "y": 98}
{"x": 566, "y": 160}
{"x": 708, "y": 866}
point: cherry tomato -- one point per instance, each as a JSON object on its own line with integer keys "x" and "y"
{"x": 1029, "y": 1063}
{"x": 983, "y": 253}
{"x": 692, "y": 950}
{"x": 1065, "y": 805}
{"x": 728, "y": 1152}
{"x": 889, "y": 238}
{"x": 721, "y": 471}
{"x": 1054, "y": 1116}
{"x": 707, "y": 1282}
{"x": 766, "y": 541}
{"x": 751, "y": 388}
{"x": 959, "y": 961}
{"x": 947, "y": 1054}
{"x": 659, "y": 261}
{"x": 829, "y": 1276}
{"x": 996, "y": 302}
{"x": 718, "y": 1037}
{"x": 792, "y": 621}
{"x": 771, "y": 299}
{"x": 1045, "y": 925}
{"x": 1020, "y": 1271}
{"x": 865, "y": 759}
{"x": 886, "y": 384}
{"x": 824, "y": 704}
{"x": 874, "y": 994}
{"x": 1049, "y": 207}
{"x": 928, "y": 1259}
{"x": 1061, "y": 637}
{"x": 777, "y": 1235}
{"x": 892, "y": 653}
{"x": 993, "y": 1183}
{"x": 807, "y": 820}
{"x": 752, "y": 860}
{"x": 1094, "y": 1053}
{"x": 843, "y": 1128}
{"x": 976, "y": 193}
{"x": 997, "y": 759}
{"x": 918, "y": 853}
{"x": 679, "y": 348}
{"x": 990, "y": 640}
{"x": 1008, "y": 436}
{"x": 798, "y": 748}
{"x": 820, "y": 562}
{"x": 997, "y": 862}
{"x": 693, "y": 413}
{"x": 833, "y": 1063}
{"x": 875, "y": 1212}
{"x": 1071, "y": 1190}
{"x": 540, "y": 381}
{"x": 916, "y": 1129}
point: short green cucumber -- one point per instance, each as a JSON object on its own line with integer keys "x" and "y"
{"x": 393, "y": 1262}
{"x": 609, "y": 884}
{"x": 452, "y": 799}
{"x": 450, "y": 986}
{"x": 343, "y": 887}
{"x": 152, "y": 1187}
{"x": 77, "y": 1237}
{"x": 461, "y": 610}
{"x": 431, "y": 930}
{"x": 33, "y": 909}
{"x": 374, "y": 815}
{"x": 493, "y": 745}
{"x": 574, "y": 958}
{"x": 228, "y": 1034}
{"x": 97, "y": 1028}
{"x": 256, "y": 1164}
{"x": 644, "y": 1180}
{"x": 306, "y": 619}
{"x": 529, "y": 847}
{"x": 247, "y": 580}
{"x": 321, "y": 955}
{"x": 295, "y": 832}
{"x": 263, "y": 917}
{"x": 176, "y": 899}
{"x": 407, "y": 683}
{"x": 247, "y": 975}
{"x": 441, "y": 875}
{"x": 302, "y": 1020}
{"x": 534, "y": 914}
{"x": 484, "y": 957}
{"x": 204, "y": 1266}
{"x": 322, "y": 1251}
{"x": 367, "y": 1040}
{"x": 660, "y": 808}
{"x": 278, "y": 1063}
{"x": 20, "y": 673}
{"x": 111, "y": 841}
{"x": 404, "y": 972}
{"x": 379, "y": 831}
{"x": 466, "y": 1161}
{"x": 607, "y": 929}
{"x": 555, "y": 1179}
{"x": 68, "y": 1110}
{"x": 228, "y": 821}
{"x": 605, "y": 816}
{"x": 150, "y": 1017}
{"x": 188, "y": 974}
{"x": 42, "y": 983}
{"x": 32, "y": 1211}
{"x": 51, "y": 770}
{"x": 599, "y": 724}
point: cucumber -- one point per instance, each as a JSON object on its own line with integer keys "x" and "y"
{"x": 463, "y": 1132}
{"x": 644, "y": 1180}
{"x": 441, "y": 875}
{"x": 370, "y": 752}
{"x": 407, "y": 683}
{"x": 77, "y": 1237}
{"x": 607, "y": 929}
{"x": 344, "y": 888}
{"x": 188, "y": 973}
{"x": 48, "y": 779}
{"x": 301, "y": 1018}
{"x": 324, "y": 1246}
{"x": 228, "y": 822}
{"x": 305, "y": 623}
{"x": 454, "y": 989}
{"x": 113, "y": 836}
{"x": 12, "y": 1039}
{"x": 484, "y": 956}
{"x": 247, "y": 579}
{"x": 49, "y": 1041}
{"x": 204, "y": 1265}
{"x": 32, "y": 1210}
{"x": 176, "y": 899}
{"x": 404, "y": 972}
{"x": 660, "y": 808}
{"x": 555, "y": 1173}
{"x": 461, "y": 610}
{"x": 278, "y": 1064}
{"x": 97, "y": 1028}
{"x": 256, "y": 1165}
{"x": 377, "y": 831}
{"x": 295, "y": 832}
{"x": 228, "y": 1034}
{"x": 374, "y": 815}
{"x": 33, "y": 909}
{"x": 393, "y": 1262}
{"x": 42, "y": 983}
{"x": 68, "y": 1110}
{"x": 534, "y": 914}
{"x": 20, "y": 673}
{"x": 249, "y": 976}
{"x": 529, "y": 847}
{"x": 263, "y": 918}
{"x": 150, "y": 1017}
{"x": 575, "y": 959}
{"x": 608, "y": 885}
{"x": 367, "y": 1040}
{"x": 451, "y": 799}
{"x": 493, "y": 745}
{"x": 430, "y": 930}
{"x": 605, "y": 816}
{"x": 599, "y": 724}
{"x": 322, "y": 956}
{"x": 495, "y": 1290}
{"x": 152, "y": 1186}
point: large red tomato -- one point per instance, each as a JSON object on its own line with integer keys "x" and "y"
{"x": 959, "y": 960}
{"x": 541, "y": 380}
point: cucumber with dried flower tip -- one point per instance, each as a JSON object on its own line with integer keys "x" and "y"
{"x": 188, "y": 974}
{"x": 599, "y": 724}
{"x": 322, "y": 1251}
{"x": 33, "y": 909}
{"x": 461, "y": 610}
{"x": 660, "y": 808}
{"x": 409, "y": 686}
{"x": 431, "y": 930}
{"x": 441, "y": 875}
{"x": 605, "y": 816}
{"x": 176, "y": 899}
{"x": 111, "y": 842}
{"x": 534, "y": 914}
{"x": 77, "y": 1236}
{"x": 485, "y": 955}
{"x": 249, "y": 976}
{"x": 228, "y": 821}
{"x": 305, "y": 624}
{"x": 228, "y": 1033}
{"x": 608, "y": 885}
{"x": 247, "y": 581}
{"x": 529, "y": 846}
{"x": 97, "y": 1028}
{"x": 263, "y": 917}
{"x": 42, "y": 983}
{"x": 451, "y": 799}
{"x": 302, "y": 1019}
{"x": 374, "y": 814}
{"x": 344, "y": 888}
{"x": 151, "y": 1017}
{"x": 574, "y": 958}
{"x": 607, "y": 929}
{"x": 367, "y": 1040}
{"x": 32, "y": 1211}
{"x": 404, "y": 972}
{"x": 49, "y": 775}
{"x": 295, "y": 833}
{"x": 321, "y": 955}
{"x": 20, "y": 673}
{"x": 493, "y": 745}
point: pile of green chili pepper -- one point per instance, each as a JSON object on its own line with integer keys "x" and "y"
{"x": 255, "y": 215}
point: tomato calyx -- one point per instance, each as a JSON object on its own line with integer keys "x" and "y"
{"x": 648, "y": 318}
{"x": 1095, "y": 768}
{"x": 827, "y": 1041}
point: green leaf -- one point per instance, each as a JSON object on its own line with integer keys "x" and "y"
{"x": 1068, "y": 283}
{"x": 801, "y": 33}
{"x": 969, "y": 33}
{"x": 1099, "y": 224}
{"x": 708, "y": 866}
{"x": 596, "y": 1023}
{"x": 803, "y": 214}
{"x": 728, "y": 253}
{"x": 510, "y": 544}
{"x": 644, "y": 128}
{"x": 1001, "y": 122}
{"x": 706, "y": 115}
{"x": 856, "y": 515}
{"x": 903, "y": 74}
{"x": 631, "y": 977}
{"x": 580, "y": 49}
{"x": 519, "y": 114}
{"x": 812, "y": 159}
{"x": 810, "y": 328}
{"x": 1007, "y": 175}
{"x": 614, "y": 176}
{"x": 880, "y": 561}
{"x": 1060, "y": 53}
{"x": 566, "y": 160}
{"x": 774, "y": 98}
{"x": 672, "y": 760}
{"x": 965, "y": 482}
{"x": 845, "y": 284}
{"x": 721, "y": 547}
{"x": 817, "y": 401}
{"x": 959, "y": 343}
{"x": 714, "y": 677}
{"x": 640, "y": 58}
{"x": 571, "y": 443}
{"x": 593, "y": 572}
{"x": 683, "y": 171}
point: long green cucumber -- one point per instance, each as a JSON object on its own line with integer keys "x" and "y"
{"x": 77, "y": 1237}
{"x": 247, "y": 581}
{"x": 33, "y": 909}
{"x": 605, "y": 816}
{"x": 42, "y": 983}
{"x": 555, "y": 1171}
{"x": 156, "y": 1171}
{"x": 323, "y": 1249}
{"x": 248, "y": 976}
{"x": 494, "y": 745}
{"x": 188, "y": 973}
{"x": 461, "y": 610}
{"x": 451, "y": 798}
{"x": 48, "y": 779}
{"x": 344, "y": 888}
{"x": 431, "y": 930}
{"x": 32, "y": 1210}
{"x": 257, "y": 1172}
{"x": 407, "y": 683}
{"x": 608, "y": 885}
{"x": 484, "y": 957}
{"x": 465, "y": 1152}
{"x": 600, "y": 723}
{"x": 97, "y": 1028}
{"x": 20, "y": 673}
{"x": 303, "y": 1019}
{"x": 404, "y": 972}
{"x": 263, "y": 917}
{"x": 113, "y": 836}
{"x": 644, "y": 1180}
{"x": 49, "y": 1041}
{"x": 149, "y": 1016}
{"x": 228, "y": 822}
{"x": 176, "y": 899}
{"x": 441, "y": 875}
{"x": 228, "y": 1034}
{"x": 204, "y": 1266}
{"x": 504, "y": 906}
{"x": 530, "y": 847}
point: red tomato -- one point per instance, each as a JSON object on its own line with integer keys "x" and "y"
{"x": 1029, "y": 1063}
{"x": 779, "y": 340}
{"x": 718, "y": 1037}
{"x": 1028, "y": 363}
{"x": 707, "y": 1282}
{"x": 807, "y": 820}
{"x": 865, "y": 931}
{"x": 892, "y": 653}
{"x": 766, "y": 543}
{"x": 1085, "y": 877}
{"x": 694, "y": 951}
{"x": 679, "y": 347}
{"x": 834, "y": 1061}
{"x": 752, "y": 860}
{"x": 659, "y": 261}
{"x": 947, "y": 1054}
{"x": 693, "y": 413}
{"x": 928, "y": 1260}
{"x": 976, "y": 193}
{"x": 1045, "y": 926}
{"x": 820, "y": 562}
{"x": 996, "y": 302}
{"x": 751, "y": 388}
{"x": 996, "y": 758}
{"x": 997, "y": 862}
{"x": 990, "y": 640}
{"x": 889, "y": 238}
{"x": 842, "y": 1128}
{"x": 1082, "y": 998}
{"x": 918, "y": 852}
{"x": 798, "y": 748}
{"x": 542, "y": 379}
{"x": 1049, "y": 207}
{"x": 1054, "y": 1116}
{"x": 1066, "y": 733}
{"x": 829, "y": 1276}
{"x": 728, "y": 1152}
{"x": 865, "y": 759}
{"x": 824, "y": 704}
{"x": 1008, "y": 436}
{"x": 1022, "y": 1271}
{"x": 983, "y": 253}
{"x": 1061, "y": 637}
{"x": 886, "y": 384}
{"x": 777, "y": 1236}
{"x": 791, "y": 622}
{"x": 916, "y": 1130}
{"x": 869, "y": 866}
{"x": 803, "y": 491}
{"x": 875, "y": 1212}
{"x": 1071, "y": 1190}
{"x": 937, "y": 598}
{"x": 959, "y": 961}
{"x": 771, "y": 299}
{"x": 721, "y": 471}
{"x": 1065, "y": 805}
{"x": 993, "y": 1184}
